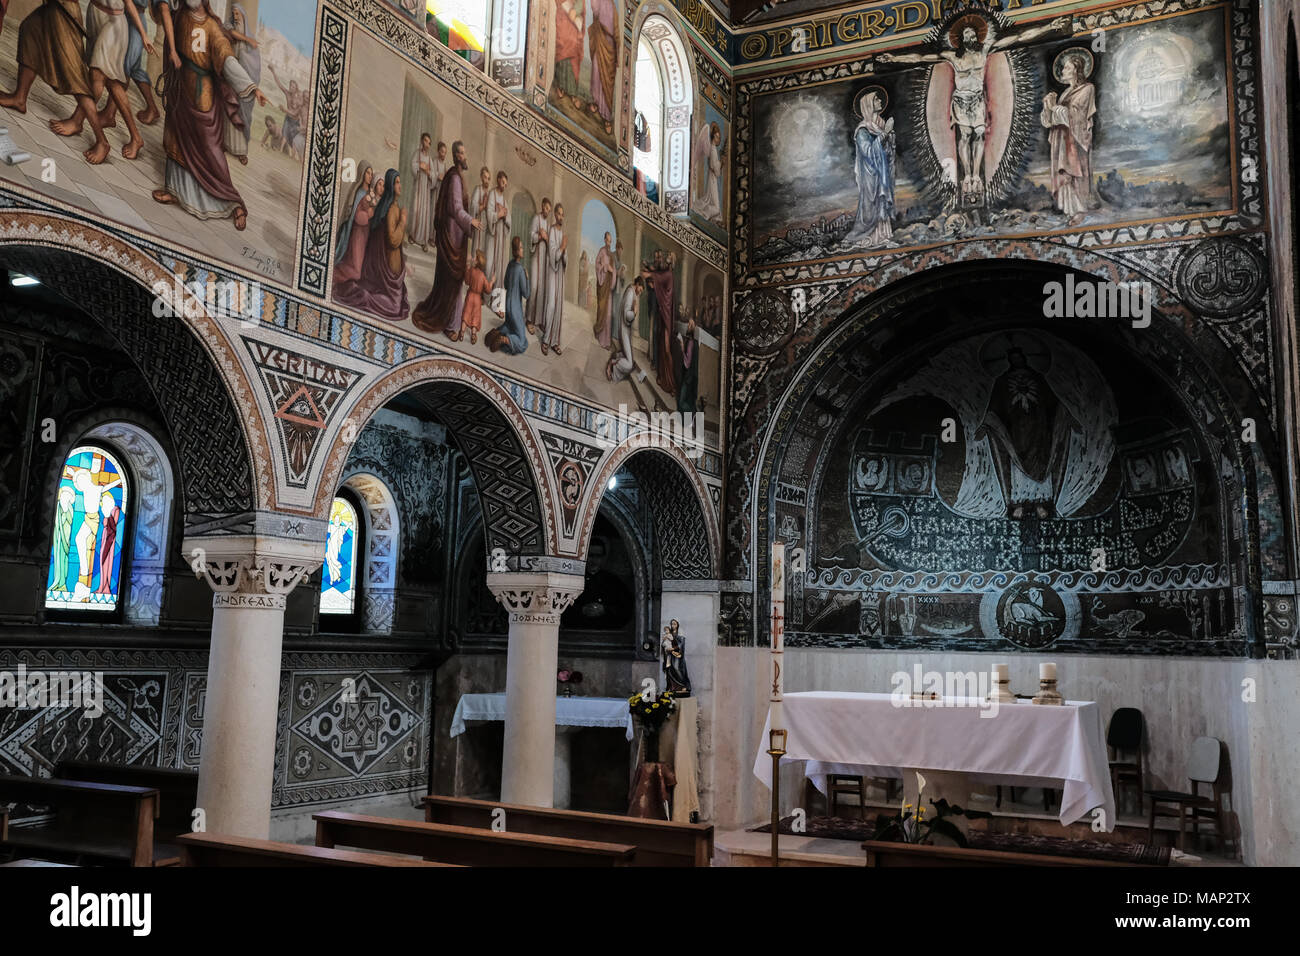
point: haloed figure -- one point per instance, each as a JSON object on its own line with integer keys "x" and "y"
{"x": 1068, "y": 120}
{"x": 873, "y": 167}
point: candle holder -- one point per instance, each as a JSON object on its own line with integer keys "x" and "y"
{"x": 776, "y": 750}
{"x": 1047, "y": 693}
{"x": 1001, "y": 692}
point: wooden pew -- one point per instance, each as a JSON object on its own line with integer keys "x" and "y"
{"x": 657, "y": 842}
{"x": 4, "y": 824}
{"x": 467, "y": 846}
{"x": 178, "y": 793}
{"x": 101, "y": 822}
{"x": 215, "y": 849}
{"x": 913, "y": 854}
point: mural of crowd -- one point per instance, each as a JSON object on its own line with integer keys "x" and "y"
{"x": 79, "y": 71}
{"x": 452, "y": 245}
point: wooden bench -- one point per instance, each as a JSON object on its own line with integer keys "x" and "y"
{"x": 467, "y": 846}
{"x": 914, "y": 854}
{"x": 101, "y": 822}
{"x": 214, "y": 849}
{"x": 657, "y": 842}
{"x": 178, "y": 793}
{"x": 4, "y": 824}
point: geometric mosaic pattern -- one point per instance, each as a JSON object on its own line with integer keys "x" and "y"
{"x": 355, "y": 723}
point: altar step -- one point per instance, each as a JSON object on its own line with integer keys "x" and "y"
{"x": 747, "y": 848}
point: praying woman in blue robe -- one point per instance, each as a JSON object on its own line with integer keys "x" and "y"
{"x": 873, "y": 167}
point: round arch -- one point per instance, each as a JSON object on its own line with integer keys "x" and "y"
{"x": 223, "y": 453}
{"x": 687, "y": 540}
{"x": 661, "y": 27}
{"x": 383, "y": 546}
{"x": 1166, "y": 347}
{"x": 492, "y": 432}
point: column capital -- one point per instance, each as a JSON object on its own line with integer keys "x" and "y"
{"x": 249, "y": 571}
{"x": 535, "y": 597}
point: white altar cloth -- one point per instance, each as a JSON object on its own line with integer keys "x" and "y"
{"x": 569, "y": 711}
{"x": 1024, "y": 745}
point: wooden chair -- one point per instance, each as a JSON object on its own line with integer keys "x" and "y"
{"x": 92, "y": 822}
{"x": 465, "y": 846}
{"x": 1048, "y": 796}
{"x": 1124, "y": 736}
{"x": 839, "y": 784}
{"x": 1204, "y": 766}
{"x": 657, "y": 842}
{"x": 215, "y": 849}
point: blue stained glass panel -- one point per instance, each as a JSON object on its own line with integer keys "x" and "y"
{"x": 90, "y": 511}
{"x": 338, "y": 579}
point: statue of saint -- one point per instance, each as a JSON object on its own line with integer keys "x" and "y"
{"x": 672, "y": 652}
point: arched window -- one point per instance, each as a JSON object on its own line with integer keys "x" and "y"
{"x": 662, "y": 98}
{"x": 91, "y": 508}
{"x": 462, "y": 25}
{"x": 648, "y": 131}
{"x": 338, "y": 577}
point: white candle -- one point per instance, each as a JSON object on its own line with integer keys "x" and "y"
{"x": 776, "y": 710}
{"x": 1000, "y": 673}
{"x": 1047, "y": 672}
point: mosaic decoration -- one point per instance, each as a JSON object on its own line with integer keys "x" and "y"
{"x": 1034, "y": 93}
{"x": 338, "y": 584}
{"x": 92, "y": 502}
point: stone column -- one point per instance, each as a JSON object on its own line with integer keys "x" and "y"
{"x": 237, "y": 759}
{"x": 535, "y": 601}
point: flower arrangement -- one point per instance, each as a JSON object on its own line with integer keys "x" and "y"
{"x": 907, "y": 826}
{"x": 568, "y": 678}
{"x": 652, "y": 711}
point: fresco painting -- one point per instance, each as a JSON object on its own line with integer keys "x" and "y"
{"x": 588, "y": 53}
{"x": 97, "y": 106}
{"x": 497, "y": 251}
{"x": 989, "y": 129}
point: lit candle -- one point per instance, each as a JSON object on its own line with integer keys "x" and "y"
{"x": 1000, "y": 673}
{"x": 1047, "y": 672}
{"x": 776, "y": 711}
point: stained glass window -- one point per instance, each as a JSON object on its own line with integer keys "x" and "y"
{"x": 89, "y": 531}
{"x": 338, "y": 579}
{"x": 461, "y": 24}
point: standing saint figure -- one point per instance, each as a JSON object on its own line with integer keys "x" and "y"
{"x": 584, "y": 267}
{"x": 605, "y": 278}
{"x": 478, "y": 208}
{"x": 423, "y": 194}
{"x": 602, "y": 46}
{"x": 706, "y": 171}
{"x": 539, "y": 232}
{"x": 246, "y": 51}
{"x": 557, "y": 261}
{"x": 51, "y": 45}
{"x": 621, "y": 364}
{"x": 498, "y": 229}
{"x": 873, "y": 167}
{"x": 452, "y": 224}
{"x": 658, "y": 276}
{"x": 569, "y": 30}
{"x": 1068, "y": 120}
{"x": 511, "y": 336}
{"x": 672, "y": 651}
{"x": 1028, "y": 430}
{"x": 108, "y": 541}
{"x": 62, "y": 538}
{"x": 971, "y": 39}
{"x": 439, "y": 172}
{"x": 203, "y": 83}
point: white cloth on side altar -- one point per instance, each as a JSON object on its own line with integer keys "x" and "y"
{"x": 1024, "y": 745}
{"x": 569, "y": 712}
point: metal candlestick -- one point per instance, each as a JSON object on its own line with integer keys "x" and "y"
{"x": 776, "y": 750}
{"x": 1047, "y": 693}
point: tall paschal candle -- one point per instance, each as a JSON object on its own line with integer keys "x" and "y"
{"x": 776, "y": 713}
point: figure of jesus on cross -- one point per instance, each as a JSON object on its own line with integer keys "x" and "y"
{"x": 971, "y": 40}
